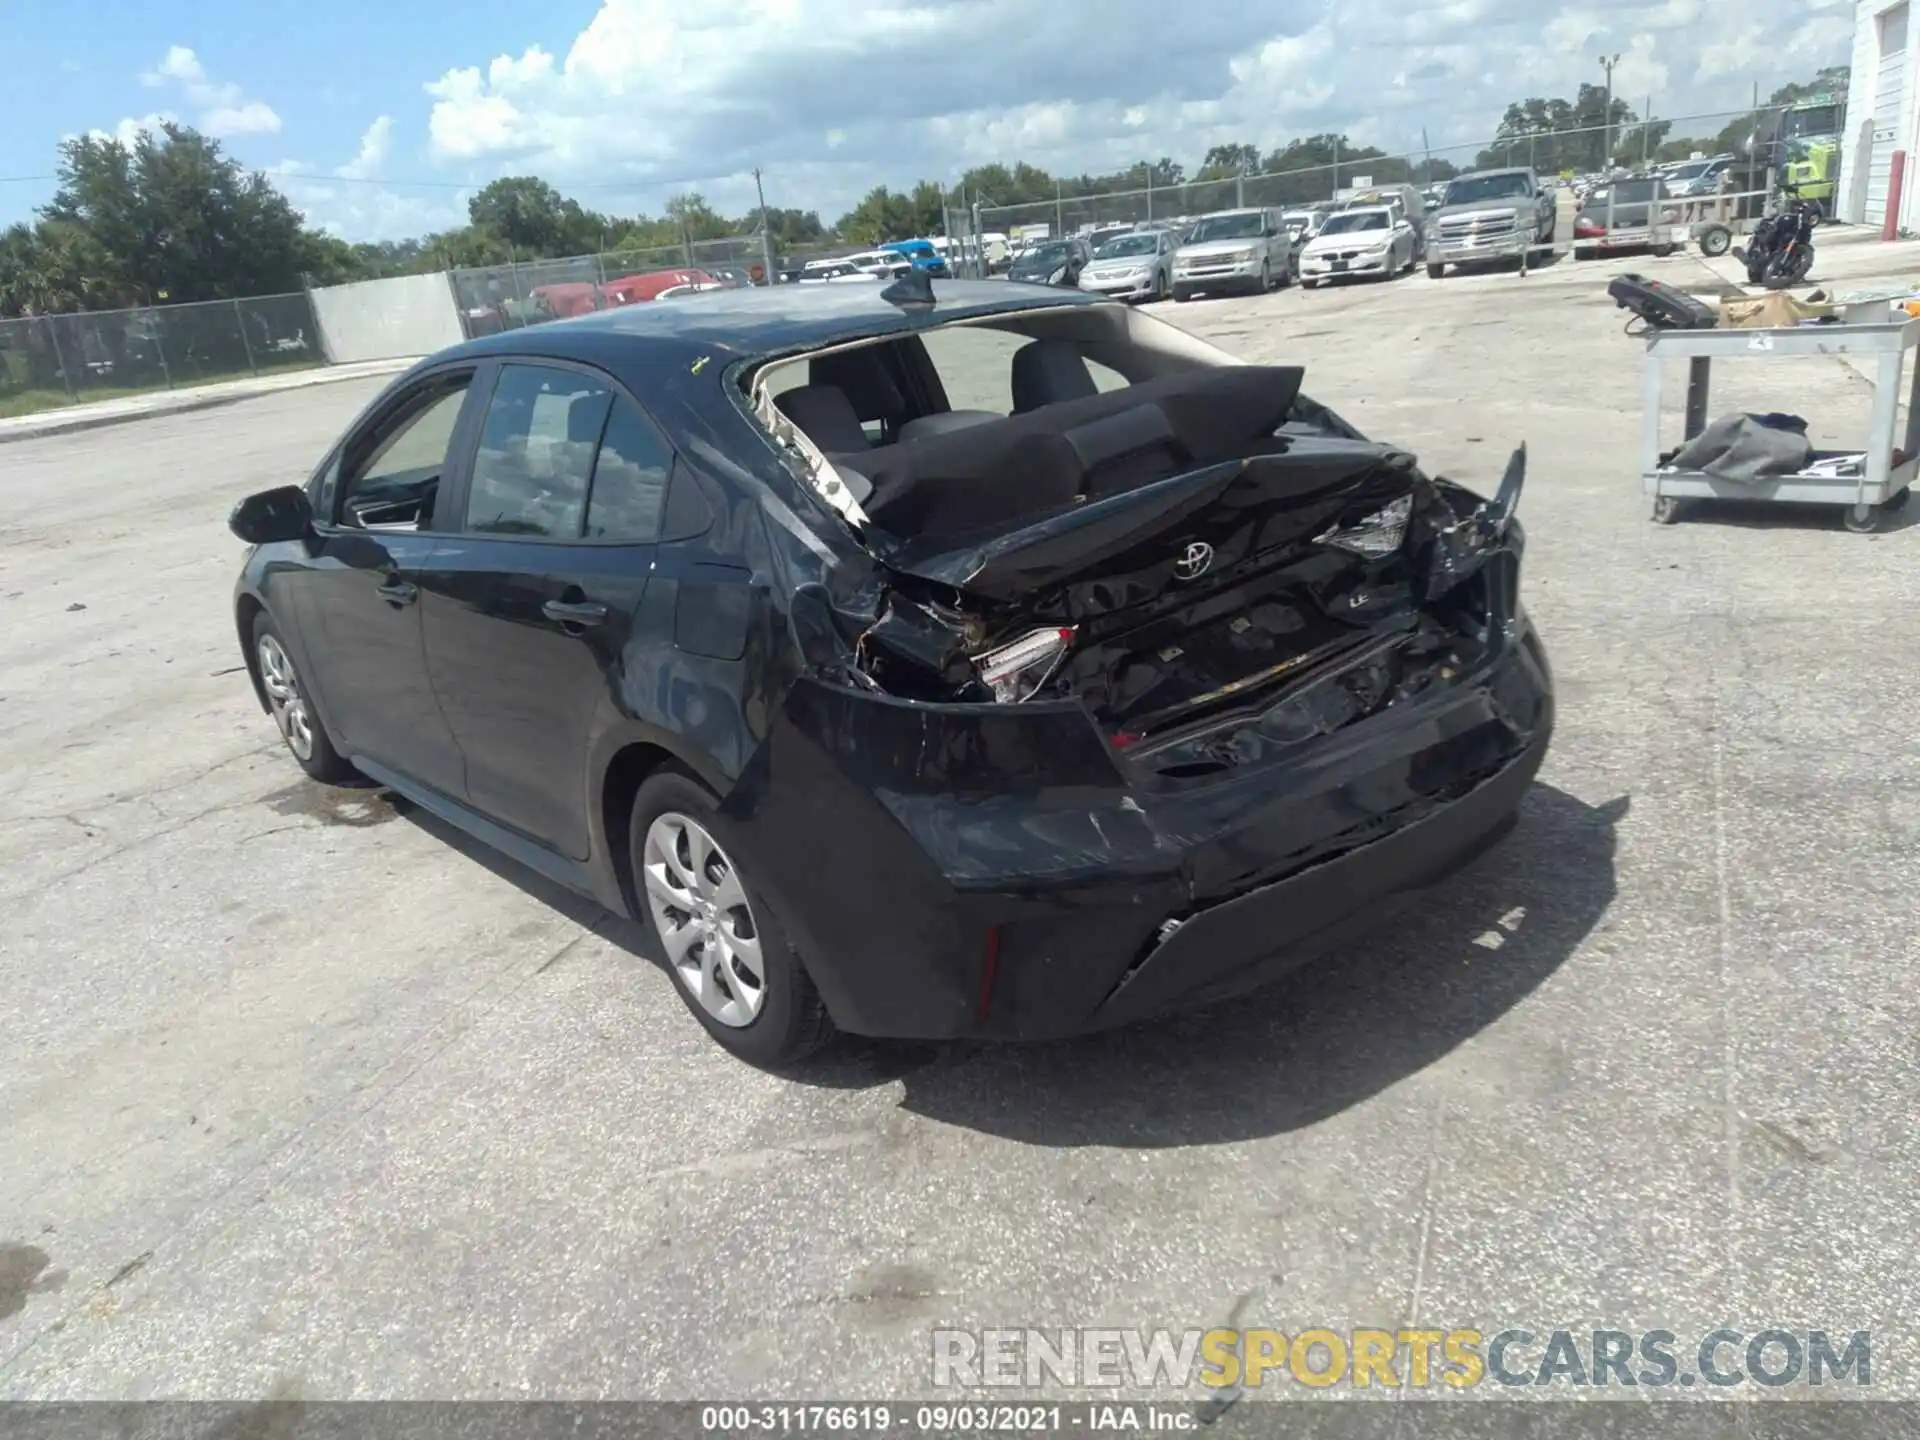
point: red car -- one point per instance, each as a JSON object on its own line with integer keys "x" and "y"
{"x": 563, "y": 301}
{"x": 631, "y": 289}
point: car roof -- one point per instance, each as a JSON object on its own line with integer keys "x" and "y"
{"x": 757, "y": 321}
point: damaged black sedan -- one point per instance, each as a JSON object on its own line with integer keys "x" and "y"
{"x": 993, "y": 663}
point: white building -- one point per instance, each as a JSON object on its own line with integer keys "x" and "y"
{"x": 1881, "y": 116}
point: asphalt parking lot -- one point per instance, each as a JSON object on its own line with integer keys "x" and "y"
{"x": 306, "y": 1096}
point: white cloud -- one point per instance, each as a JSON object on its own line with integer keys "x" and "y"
{"x": 834, "y": 96}
{"x": 221, "y": 109}
{"x": 372, "y": 155}
{"x": 831, "y": 97}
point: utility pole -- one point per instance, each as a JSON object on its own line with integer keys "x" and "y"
{"x": 1427, "y": 145}
{"x": 1607, "y": 62}
{"x": 766, "y": 230}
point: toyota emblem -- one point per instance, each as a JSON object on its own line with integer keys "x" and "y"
{"x": 1194, "y": 561}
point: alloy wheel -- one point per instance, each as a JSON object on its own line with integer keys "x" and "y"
{"x": 704, "y": 920}
{"x": 285, "y": 697}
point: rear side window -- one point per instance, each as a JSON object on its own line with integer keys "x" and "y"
{"x": 629, "y": 479}
{"x": 536, "y": 455}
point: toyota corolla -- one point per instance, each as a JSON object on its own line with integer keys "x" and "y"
{"x": 902, "y": 689}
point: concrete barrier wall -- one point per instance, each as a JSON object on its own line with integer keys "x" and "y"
{"x": 386, "y": 319}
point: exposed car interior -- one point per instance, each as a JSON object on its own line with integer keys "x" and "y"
{"x": 881, "y": 416}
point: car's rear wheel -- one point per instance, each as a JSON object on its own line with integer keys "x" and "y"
{"x": 292, "y": 708}
{"x": 728, "y": 956}
{"x": 1181, "y": 294}
{"x": 1434, "y": 272}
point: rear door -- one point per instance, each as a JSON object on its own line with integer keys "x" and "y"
{"x": 530, "y": 608}
{"x": 381, "y": 515}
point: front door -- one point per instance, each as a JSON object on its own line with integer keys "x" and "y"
{"x": 529, "y": 610}
{"x": 363, "y": 588}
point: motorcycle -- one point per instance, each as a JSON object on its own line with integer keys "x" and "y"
{"x": 1779, "y": 253}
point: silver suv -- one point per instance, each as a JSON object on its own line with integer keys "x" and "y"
{"x": 1248, "y": 250}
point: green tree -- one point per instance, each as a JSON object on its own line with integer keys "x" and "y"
{"x": 534, "y": 219}
{"x": 1223, "y": 162}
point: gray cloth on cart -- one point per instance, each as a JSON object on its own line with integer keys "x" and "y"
{"x": 1746, "y": 448}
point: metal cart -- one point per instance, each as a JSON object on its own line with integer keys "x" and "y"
{"x": 1881, "y": 486}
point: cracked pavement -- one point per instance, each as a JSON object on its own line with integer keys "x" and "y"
{"x": 304, "y": 1095}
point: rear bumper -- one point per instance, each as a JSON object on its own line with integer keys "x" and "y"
{"x": 1002, "y": 880}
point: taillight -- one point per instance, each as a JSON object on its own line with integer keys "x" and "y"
{"x": 1015, "y": 672}
{"x": 1587, "y": 225}
{"x": 1377, "y": 535}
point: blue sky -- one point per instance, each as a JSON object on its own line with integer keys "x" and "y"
{"x": 379, "y": 118}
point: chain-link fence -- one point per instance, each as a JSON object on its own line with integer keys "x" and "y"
{"x": 53, "y": 360}
{"x": 1551, "y": 151}
{"x": 492, "y": 298}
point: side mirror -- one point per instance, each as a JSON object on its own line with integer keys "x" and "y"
{"x": 272, "y": 516}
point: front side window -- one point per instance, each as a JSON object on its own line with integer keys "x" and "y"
{"x": 394, "y": 470}
{"x": 535, "y": 460}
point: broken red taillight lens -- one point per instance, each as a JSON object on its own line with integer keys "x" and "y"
{"x": 1016, "y": 672}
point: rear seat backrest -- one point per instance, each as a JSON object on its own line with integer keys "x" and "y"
{"x": 826, "y": 416}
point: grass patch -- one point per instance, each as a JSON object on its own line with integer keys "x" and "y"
{"x": 33, "y": 402}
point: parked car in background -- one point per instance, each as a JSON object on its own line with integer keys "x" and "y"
{"x": 1406, "y": 204}
{"x": 566, "y": 299}
{"x": 821, "y": 271}
{"x": 1233, "y": 250}
{"x": 1625, "y": 215}
{"x": 1135, "y": 266}
{"x": 1302, "y": 225}
{"x": 889, "y": 263}
{"x": 922, "y": 254}
{"x": 634, "y": 289}
{"x": 1489, "y": 215}
{"x": 1377, "y": 240}
{"x": 1693, "y": 179}
{"x": 1052, "y": 262}
{"x": 892, "y": 719}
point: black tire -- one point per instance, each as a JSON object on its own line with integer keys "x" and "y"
{"x": 1306, "y": 284}
{"x": 322, "y": 762}
{"x": 1181, "y": 294}
{"x": 1715, "y": 241}
{"x": 1266, "y": 277}
{"x": 1434, "y": 272}
{"x": 792, "y": 1022}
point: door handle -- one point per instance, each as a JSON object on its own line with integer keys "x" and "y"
{"x": 574, "y": 613}
{"x": 398, "y": 592}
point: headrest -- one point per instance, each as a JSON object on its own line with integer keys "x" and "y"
{"x": 826, "y": 415}
{"x": 586, "y": 418}
{"x": 861, "y": 375}
{"x": 1046, "y": 372}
